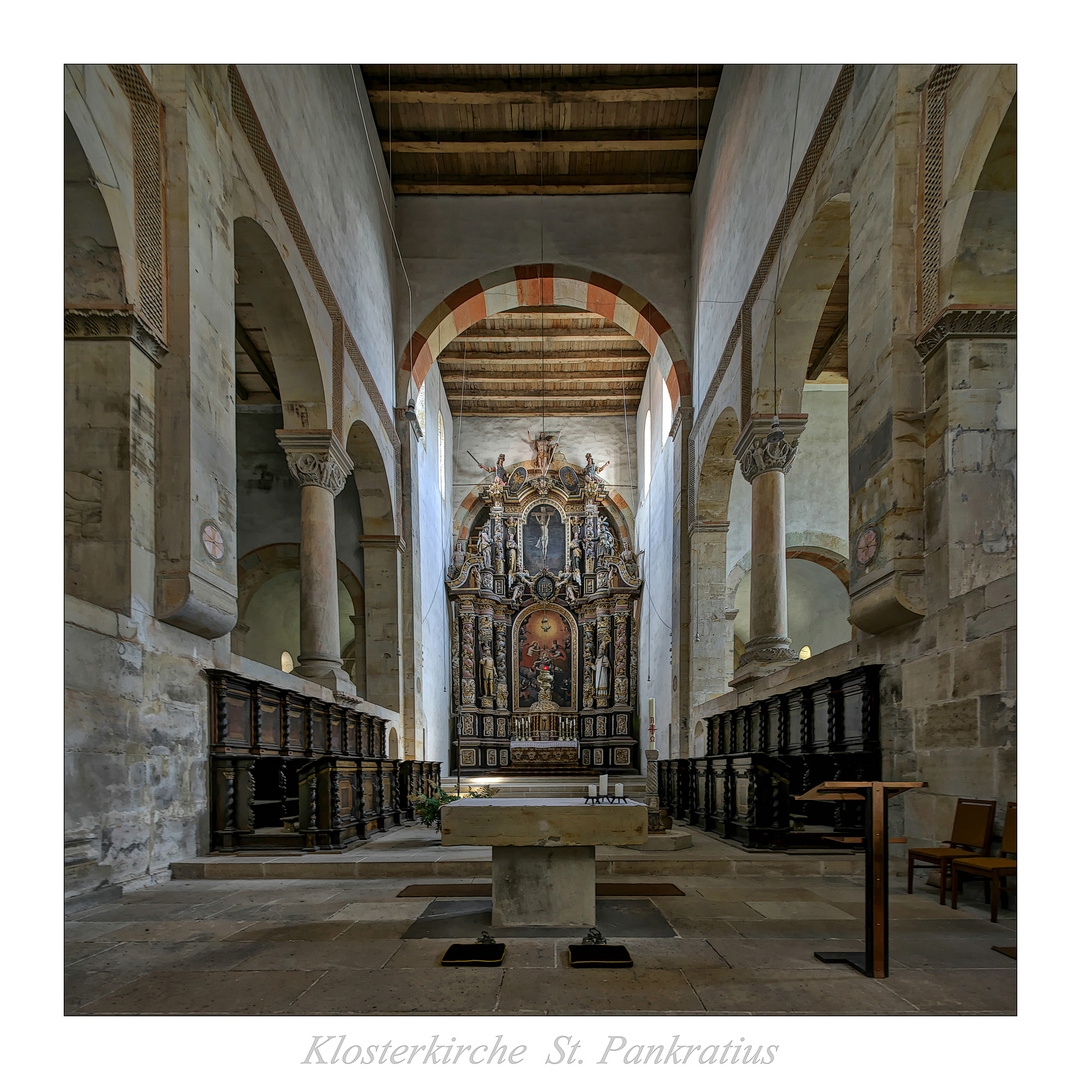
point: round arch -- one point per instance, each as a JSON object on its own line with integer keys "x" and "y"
{"x": 257, "y": 568}
{"x": 546, "y": 283}
{"x": 979, "y": 264}
{"x": 819, "y": 254}
{"x": 265, "y": 287}
{"x": 717, "y": 468}
{"x": 369, "y": 477}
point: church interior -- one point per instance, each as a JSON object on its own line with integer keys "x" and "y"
{"x": 517, "y": 431}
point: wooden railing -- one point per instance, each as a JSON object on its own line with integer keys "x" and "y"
{"x": 759, "y": 756}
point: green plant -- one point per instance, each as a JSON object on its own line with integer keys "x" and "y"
{"x": 429, "y": 807}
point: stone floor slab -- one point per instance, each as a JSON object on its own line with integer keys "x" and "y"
{"x": 743, "y": 892}
{"x": 799, "y": 909}
{"x": 783, "y": 955}
{"x": 178, "y": 930}
{"x": 810, "y": 929}
{"x": 371, "y": 911}
{"x": 206, "y": 993}
{"x": 795, "y": 991}
{"x": 143, "y": 957}
{"x": 694, "y": 907}
{"x": 358, "y": 954}
{"x": 84, "y": 987}
{"x": 952, "y": 993}
{"x": 298, "y": 931}
{"x": 384, "y": 928}
{"x": 587, "y": 992}
{"x": 446, "y": 992}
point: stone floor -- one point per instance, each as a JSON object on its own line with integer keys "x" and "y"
{"x": 744, "y": 937}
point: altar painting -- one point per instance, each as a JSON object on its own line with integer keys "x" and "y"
{"x": 544, "y": 539}
{"x": 544, "y": 645}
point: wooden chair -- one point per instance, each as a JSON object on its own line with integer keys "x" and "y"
{"x": 971, "y": 835}
{"x": 992, "y": 870}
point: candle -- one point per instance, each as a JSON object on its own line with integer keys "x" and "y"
{"x": 592, "y": 791}
{"x": 604, "y": 784}
{"x": 619, "y": 791}
{"x": 652, "y": 708}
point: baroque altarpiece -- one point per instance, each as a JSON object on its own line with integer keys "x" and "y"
{"x": 544, "y": 590}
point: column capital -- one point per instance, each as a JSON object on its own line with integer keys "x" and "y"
{"x": 768, "y": 443}
{"x": 316, "y": 458}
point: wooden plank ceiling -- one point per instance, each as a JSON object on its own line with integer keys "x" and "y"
{"x": 554, "y": 129}
{"x": 537, "y": 361}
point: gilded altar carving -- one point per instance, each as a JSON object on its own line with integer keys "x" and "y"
{"x": 543, "y": 583}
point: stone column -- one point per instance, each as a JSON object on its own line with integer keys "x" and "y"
{"x": 320, "y": 466}
{"x": 710, "y": 666}
{"x": 765, "y": 451}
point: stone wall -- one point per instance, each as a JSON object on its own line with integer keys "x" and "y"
{"x": 149, "y": 608}
{"x": 930, "y": 431}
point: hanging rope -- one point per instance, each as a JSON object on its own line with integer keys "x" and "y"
{"x": 386, "y": 209}
{"x": 780, "y": 242}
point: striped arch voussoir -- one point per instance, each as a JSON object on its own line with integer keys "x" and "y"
{"x": 522, "y": 286}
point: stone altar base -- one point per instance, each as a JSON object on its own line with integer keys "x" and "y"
{"x": 544, "y": 869}
{"x": 536, "y": 886}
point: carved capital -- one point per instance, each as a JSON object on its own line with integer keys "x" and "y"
{"x": 768, "y": 443}
{"x": 316, "y": 459}
{"x": 113, "y": 324}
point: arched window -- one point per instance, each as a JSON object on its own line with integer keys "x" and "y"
{"x": 647, "y": 446}
{"x": 422, "y": 416}
{"x": 666, "y": 414}
{"x": 287, "y": 662}
{"x": 442, "y": 461}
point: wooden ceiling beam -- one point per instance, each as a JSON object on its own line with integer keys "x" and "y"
{"x": 243, "y": 339}
{"x": 535, "y": 356}
{"x": 613, "y": 142}
{"x": 565, "y": 386}
{"x": 610, "y": 334}
{"x": 455, "y": 382}
{"x": 629, "y": 88}
{"x": 584, "y": 408}
{"x": 521, "y": 395}
{"x": 638, "y": 184}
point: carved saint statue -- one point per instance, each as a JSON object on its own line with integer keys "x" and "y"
{"x": 606, "y": 541}
{"x": 600, "y": 673}
{"x": 512, "y": 550}
{"x": 519, "y": 582}
{"x": 484, "y": 548}
{"x": 487, "y": 674}
{"x": 592, "y": 470}
{"x": 576, "y": 551}
{"x": 497, "y": 468}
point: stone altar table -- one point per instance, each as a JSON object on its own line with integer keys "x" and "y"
{"x": 544, "y": 858}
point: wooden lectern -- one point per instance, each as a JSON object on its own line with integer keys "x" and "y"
{"x": 875, "y": 960}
